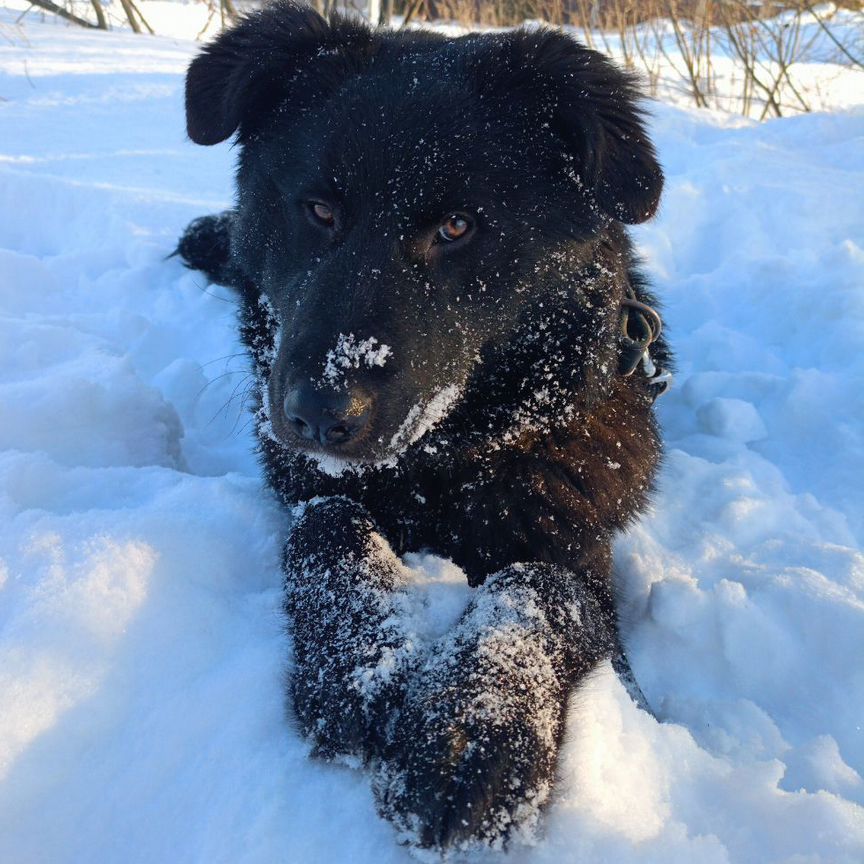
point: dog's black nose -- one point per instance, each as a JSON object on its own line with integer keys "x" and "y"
{"x": 327, "y": 416}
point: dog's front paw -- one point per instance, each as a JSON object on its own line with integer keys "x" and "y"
{"x": 473, "y": 755}
{"x": 471, "y": 769}
{"x": 352, "y": 648}
{"x": 333, "y": 532}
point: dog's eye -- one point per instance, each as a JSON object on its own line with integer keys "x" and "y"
{"x": 455, "y": 227}
{"x": 322, "y": 214}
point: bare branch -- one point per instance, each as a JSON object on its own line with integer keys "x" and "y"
{"x": 101, "y": 20}
{"x": 827, "y": 30}
{"x": 50, "y": 6}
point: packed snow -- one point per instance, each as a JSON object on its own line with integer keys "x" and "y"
{"x": 143, "y": 653}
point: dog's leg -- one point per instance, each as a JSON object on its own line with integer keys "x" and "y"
{"x": 352, "y": 650}
{"x": 205, "y": 245}
{"x": 475, "y": 748}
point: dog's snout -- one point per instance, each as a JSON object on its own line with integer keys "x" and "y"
{"x": 330, "y": 417}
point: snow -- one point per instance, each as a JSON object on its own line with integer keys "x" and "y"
{"x": 425, "y": 416}
{"x": 352, "y": 353}
{"x": 142, "y": 646}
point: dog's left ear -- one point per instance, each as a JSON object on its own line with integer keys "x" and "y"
{"x": 283, "y": 53}
{"x": 594, "y": 107}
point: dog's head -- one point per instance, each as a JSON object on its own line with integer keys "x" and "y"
{"x": 404, "y": 199}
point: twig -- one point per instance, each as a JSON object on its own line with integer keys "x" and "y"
{"x": 130, "y": 16}
{"x": 141, "y": 17}
{"x": 50, "y": 6}
{"x": 101, "y": 20}
{"x": 854, "y": 60}
{"x": 411, "y": 11}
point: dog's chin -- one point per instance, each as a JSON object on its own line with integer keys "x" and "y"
{"x": 357, "y": 457}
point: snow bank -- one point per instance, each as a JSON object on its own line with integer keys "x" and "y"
{"x": 142, "y": 650}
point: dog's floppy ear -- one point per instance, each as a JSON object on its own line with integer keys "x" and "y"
{"x": 255, "y": 66}
{"x": 594, "y": 107}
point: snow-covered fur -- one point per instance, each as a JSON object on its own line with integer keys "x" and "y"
{"x": 474, "y": 748}
{"x": 352, "y": 650}
{"x": 498, "y": 430}
{"x": 465, "y": 736}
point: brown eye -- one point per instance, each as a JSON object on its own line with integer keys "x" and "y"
{"x": 456, "y": 227}
{"x": 322, "y": 214}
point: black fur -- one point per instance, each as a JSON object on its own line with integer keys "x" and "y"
{"x": 540, "y": 451}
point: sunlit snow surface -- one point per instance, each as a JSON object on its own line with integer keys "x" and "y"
{"x": 142, "y": 652}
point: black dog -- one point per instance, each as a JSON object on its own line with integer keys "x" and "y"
{"x": 444, "y": 313}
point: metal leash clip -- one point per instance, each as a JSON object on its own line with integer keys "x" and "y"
{"x": 640, "y": 326}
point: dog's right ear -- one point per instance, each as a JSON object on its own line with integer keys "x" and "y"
{"x": 256, "y": 65}
{"x": 592, "y": 106}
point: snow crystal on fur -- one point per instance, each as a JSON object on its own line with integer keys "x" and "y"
{"x": 350, "y": 353}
